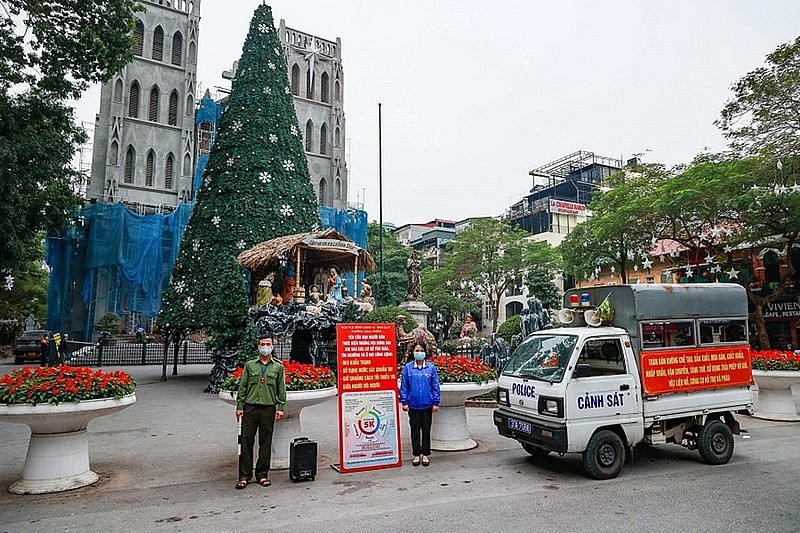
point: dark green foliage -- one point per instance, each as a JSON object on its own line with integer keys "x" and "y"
{"x": 352, "y": 313}
{"x": 49, "y": 51}
{"x": 509, "y": 328}
{"x": 395, "y": 255}
{"x": 540, "y": 284}
{"x": 455, "y": 329}
{"x": 110, "y": 323}
{"x": 256, "y": 188}
{"x": 27, "y": 297}
{"x": 248, "y": 347}
{"x": 389, "y": 313}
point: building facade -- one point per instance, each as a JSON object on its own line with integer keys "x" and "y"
{"x": 144, "y": 152}
{"x": 317, "y": 82}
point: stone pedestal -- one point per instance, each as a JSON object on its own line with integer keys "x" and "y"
{"x": 418, "y": 310}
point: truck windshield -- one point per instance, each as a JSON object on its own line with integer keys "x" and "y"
{"x": 542, "y": 357}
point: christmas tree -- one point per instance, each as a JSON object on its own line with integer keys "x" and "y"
{"x": 256, "y": 187}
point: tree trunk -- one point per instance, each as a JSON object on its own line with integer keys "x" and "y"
{"x": 761, "y": 327}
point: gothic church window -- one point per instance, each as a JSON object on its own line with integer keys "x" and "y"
{"x": 323, "y": 87}
{"x": 152, "y": 116}
{"x": 173, "y": 109}
{"x": 138, "y": 38}
{"x": 322, "y": 186}
{"x": 192, "y": 53}
{"x": 133, "y": 100}
{"x": 158, "y": 44}
{"x": 295, "y": 80}
{"x": 113, "y": 153}
{"x": 118, "y": 90}
{"x": 177, "y": 48}
{"x": 189, "y": 105}
{"x": 309, "y": 136}
{"x": 130, "y": 157}
{"x": 148, "y": 171}
{"x": 169, "y": 171}
{"x": 323, "y": 139}
{"x": 309, "y": 84}
{"x": 187, "y": 165}
{"x": 337, "y": 189}
{"x": 336, "y": 91}
{"x": 337, "y": 141}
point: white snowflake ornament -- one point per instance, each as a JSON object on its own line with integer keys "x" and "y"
{"x": 241, "y": 244}
{"x": 263, "y": 28}
{"x": 286, "y": 89}
{"x": 267, "y": 91}
{"x": 9, "y": 282}
{"x": 273, "y": 138}
{"x": 271, "y": 65}
{"x": 196, "y": 244}
{"x": 216, "y": 220}
{"x": 188, "y": 303}
{"x": 294, "y": 130}
{"x": 180, "y": 287}
{"x": 265, "y": 177}
{"x": 286, "y": 210}
{"x": 288, "y": 165}
{"x": 230, "y": 162}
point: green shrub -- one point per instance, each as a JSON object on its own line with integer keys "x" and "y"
{"x": 110, "y": 323}
{"x": 455, "y": 329}
{"x": 509, "y": 328}
{"x": 389, "y": 313}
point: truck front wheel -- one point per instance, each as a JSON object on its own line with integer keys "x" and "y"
{"x": 604, "y": 455}
{"x": 715, "y": 442}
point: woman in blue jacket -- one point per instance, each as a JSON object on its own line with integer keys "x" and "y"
{"x": 419, "y": 395}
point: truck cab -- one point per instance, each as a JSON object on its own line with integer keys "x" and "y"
{"x": 581, "y": 389}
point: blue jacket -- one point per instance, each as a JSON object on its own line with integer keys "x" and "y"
{"x": 419, "y": 387}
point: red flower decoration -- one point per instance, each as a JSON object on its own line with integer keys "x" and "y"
{"x": 63, "y": 384}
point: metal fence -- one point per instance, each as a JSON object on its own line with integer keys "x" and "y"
{"x": 131, "y": 353}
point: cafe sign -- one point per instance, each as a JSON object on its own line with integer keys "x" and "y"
{"x": 782, "y": 309}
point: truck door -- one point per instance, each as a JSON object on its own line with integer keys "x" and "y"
{"x": 603, "y": 389}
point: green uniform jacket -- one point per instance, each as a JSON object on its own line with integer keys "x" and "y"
{"x": 271, "y": 392}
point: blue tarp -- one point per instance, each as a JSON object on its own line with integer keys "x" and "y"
{"x": 140, "y": 252}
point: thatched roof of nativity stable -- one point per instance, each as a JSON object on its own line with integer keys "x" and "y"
{"x": 316, "y": 248}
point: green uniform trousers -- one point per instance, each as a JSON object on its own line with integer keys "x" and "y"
{"x": 259, "y": 418}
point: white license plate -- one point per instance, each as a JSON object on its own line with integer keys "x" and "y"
{"x": 519, "y": 425}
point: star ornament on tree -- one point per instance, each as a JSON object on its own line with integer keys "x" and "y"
{"x": 646, "y": 264}
{"x": 733, "y": 273}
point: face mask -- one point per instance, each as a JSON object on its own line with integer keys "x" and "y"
{"x": 419, "y": 356}
{"x": 265, "y": 350}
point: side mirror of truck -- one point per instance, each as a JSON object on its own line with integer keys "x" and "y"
{"x": 582, "y": 371}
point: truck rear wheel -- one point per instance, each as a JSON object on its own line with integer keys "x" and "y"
{"x": 535, "y": 451}
{"x": 604, "y": 455}
{"x": 715, "y": 442}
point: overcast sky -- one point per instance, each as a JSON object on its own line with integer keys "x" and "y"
{"x": 475, "y": 94}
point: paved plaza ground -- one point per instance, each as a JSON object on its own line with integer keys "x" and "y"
{"x": 168, "y": 463}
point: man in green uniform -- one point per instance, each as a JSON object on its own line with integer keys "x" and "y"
{"x": 261, "y": 399}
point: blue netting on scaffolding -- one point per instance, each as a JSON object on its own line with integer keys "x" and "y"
{"x": 139, "y": 251}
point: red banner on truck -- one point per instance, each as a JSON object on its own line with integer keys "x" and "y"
{"x": 690, "y": 369}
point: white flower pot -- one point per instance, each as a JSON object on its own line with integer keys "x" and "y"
{"x": 288, "y": 428}
{"x": 58, "y": 452}
{"x": 449, "y": 431}
{"x": 775, "y": 400}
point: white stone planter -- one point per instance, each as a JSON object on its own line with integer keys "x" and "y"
{"x": 449, "y": 431}
{"x": 58, "y": 452}
{"x": 775, "y": 400}
{"x": 288, "y": 427}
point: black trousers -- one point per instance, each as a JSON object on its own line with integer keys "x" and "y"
{"x": 259, "y": 418}
{"x": 420, "y": 421}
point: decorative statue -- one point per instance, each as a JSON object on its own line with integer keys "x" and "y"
{"x": 469, "y": 329}
{"x": 414, "y": 281}
{"x": 321, "y": 281}
{"x": 289, "y": 284}
{"x": 314, "y": 295}
{"x": 534, "y": 318}
{"x": 407, "y": 341}
{"x": 366, "y": 292}
{"x": 335, "y": 285}
{"x": 264, "y": 295}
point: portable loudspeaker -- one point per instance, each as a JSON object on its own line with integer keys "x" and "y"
{"x": 566, "y": 316}
{"x": 590, "y": 316}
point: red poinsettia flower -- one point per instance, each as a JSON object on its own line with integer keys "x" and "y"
{"x": 298, "y": 376}
{"x": 63, "y": 384}
{"x": 459, "y": 369}
{"x": 775, "y": 360}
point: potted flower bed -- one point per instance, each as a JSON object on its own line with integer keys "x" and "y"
{"x": 460, "y": 378}
{"x": 306, "y": 385}
{"x": 58, "y": 403}
{"x": 776, "y": 372}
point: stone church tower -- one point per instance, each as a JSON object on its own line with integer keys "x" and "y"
{"x": 317, "y": 81}
{"x": 144, "y": 131}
